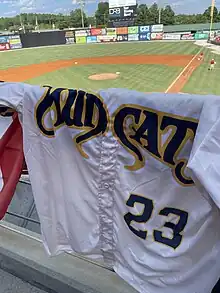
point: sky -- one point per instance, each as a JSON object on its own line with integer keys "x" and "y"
{"x": 10, "y": 8}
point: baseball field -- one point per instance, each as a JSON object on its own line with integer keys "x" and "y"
{"x": 143, "y": 66}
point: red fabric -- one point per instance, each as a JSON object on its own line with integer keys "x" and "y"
{"x": 212, "y": 61}
{"x": 11, "y": 162}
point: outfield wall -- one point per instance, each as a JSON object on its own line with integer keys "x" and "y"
{"x": 98, "y": 35}
{"x": 134, "y": 33}
{"x": 43, "y": 39}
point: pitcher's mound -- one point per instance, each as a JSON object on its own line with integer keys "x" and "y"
{"x": 103, "y": 76}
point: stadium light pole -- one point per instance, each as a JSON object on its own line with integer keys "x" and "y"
{"x": 36, "y": 18}
{"x": 82, "y": 5}
{"x": 20, "y": 18}
{"x": 21, "y": 22}
{"x": 161, "y": 4}
{"x": 159, "y": 10}
{"x": 159, "y": 17}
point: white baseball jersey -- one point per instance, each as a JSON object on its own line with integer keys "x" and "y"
{"x": 129, "y": 177}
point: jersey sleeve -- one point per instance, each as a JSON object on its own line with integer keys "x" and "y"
{"x": 204, "y": 161}
{"x": 12, "y": 94}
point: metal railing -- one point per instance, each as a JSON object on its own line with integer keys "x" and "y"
{"x": 23, "y": 217}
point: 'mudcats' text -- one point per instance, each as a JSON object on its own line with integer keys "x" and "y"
{"x": 136, "y": 128}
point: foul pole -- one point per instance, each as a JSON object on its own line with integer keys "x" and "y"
{"x": 211, "y": 16}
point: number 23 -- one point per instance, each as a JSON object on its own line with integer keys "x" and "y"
{"x": 173, "y": 242}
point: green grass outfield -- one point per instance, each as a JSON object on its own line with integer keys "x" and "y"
{"x": 203, "y": 81}
{"x": 146, "y": 78}
{"x": 139, "y": 77}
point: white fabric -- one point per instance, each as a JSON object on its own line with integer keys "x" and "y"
{"x": 83, "y": 196}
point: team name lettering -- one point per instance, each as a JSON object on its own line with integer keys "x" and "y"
{"x": 75, "y": 109}
{"x": 147, "y": 129}
{"x": 162, "y": 135}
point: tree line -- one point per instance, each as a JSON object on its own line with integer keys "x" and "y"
{"x": 145, "y": 16}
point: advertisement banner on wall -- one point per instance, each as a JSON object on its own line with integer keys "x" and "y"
{"x": 82, "y": 33}
{"x": 201, "y": 36}
{"x": 122, "y": 38}
{"x": 157, "y": 28}
{"x": 106, "y": 39}
{"x": 69, "y": 34}
{"x": 170, "y": 36}
{"x": 217, "y": 40}
{"x": 182, "y": 33}
{"x": 98, "y": 31}
{"x": 80, "y": 40}
{"x": 111, "y": 31}
{"x": 188, "y": 37}
{"x": 4, "y": 47}
{"x": 216, "y": 33}
{"x": 157, "y": 36}
{"x": 3, "y": 39}
{"x": 15, "y": 42}
{"x": 121, "y": 30}
{"x": 133, "y": 37}
{"x": 144, "y": 29}
{"x": 212, "y": 34}
{"x": 70, "y": 41}
{"x": 133, "y": 30}
{"x": 91, "y": 39}
{"x": 144, "y": 37}
{"x": 70, "y": 37}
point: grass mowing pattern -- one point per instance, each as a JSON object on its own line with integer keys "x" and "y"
{"x": 39, "y": 55}
{"x": 146, "y": 78}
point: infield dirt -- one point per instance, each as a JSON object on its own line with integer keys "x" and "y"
{"x": 20, "y": 74}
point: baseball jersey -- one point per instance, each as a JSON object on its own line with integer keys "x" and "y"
{"x": 130, "y": 178}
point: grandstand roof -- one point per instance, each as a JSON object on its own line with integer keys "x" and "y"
{"x": 190, "y": 27}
